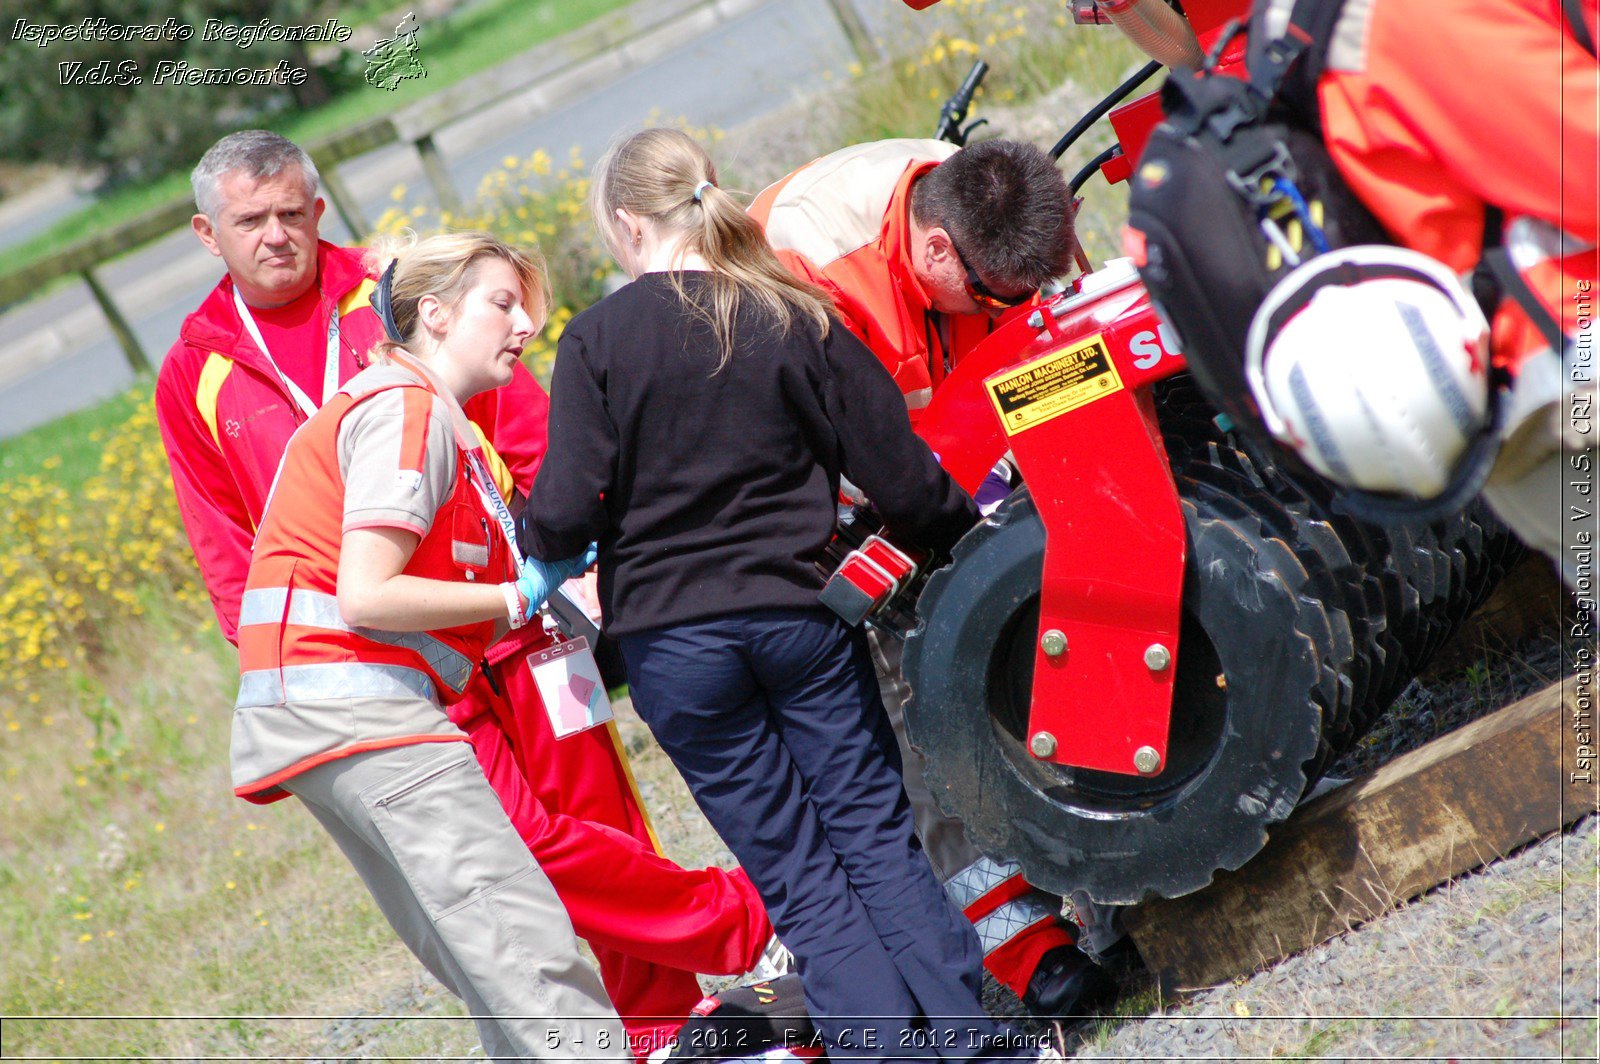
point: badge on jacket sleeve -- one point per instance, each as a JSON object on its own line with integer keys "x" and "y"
{"x": 570, "y": 687}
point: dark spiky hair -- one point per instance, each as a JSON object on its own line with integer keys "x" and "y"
{"x": 1007, "y": 208}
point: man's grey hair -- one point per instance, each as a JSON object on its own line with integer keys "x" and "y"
{"x": 255, "y": 153}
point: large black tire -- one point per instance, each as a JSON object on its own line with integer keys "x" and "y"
{"x": 1250, "y": 667}
{"x": 1405, "y": 589}
{"x": 1300, "y": 627}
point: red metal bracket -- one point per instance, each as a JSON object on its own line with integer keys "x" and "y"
{"x": 1133, "y": 122}
{"x": 1115, "y": 549}
{"x": 1112, "y": 585}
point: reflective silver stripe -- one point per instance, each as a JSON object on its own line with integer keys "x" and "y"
{"x": 264, "y": 605}
{"x": 333, "y": 679}
{"x": 1347, "y": 48}
{"x": 1275, "y": 17}
{"x": 918, "y": 399}
{"x": 978, "y": 879}
{"x": 318, "y": 609}
{"x": 1010, "y": 920}
{"x": 453, "y": 668}
{"x": 465, "y": 553}
{"x": 1352, "y": 36}
{"x": 308, "y": 609}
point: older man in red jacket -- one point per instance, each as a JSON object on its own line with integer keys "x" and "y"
{"x": 279, "y": 334}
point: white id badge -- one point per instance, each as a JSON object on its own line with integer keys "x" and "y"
{"x": 570, "y": 686}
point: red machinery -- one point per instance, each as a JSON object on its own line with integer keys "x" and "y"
{"x": 1147, "y": 653}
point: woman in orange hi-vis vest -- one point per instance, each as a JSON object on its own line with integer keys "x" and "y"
{"x": 385, "y": 565}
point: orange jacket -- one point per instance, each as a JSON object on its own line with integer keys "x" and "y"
{"x": 1434, "y": 108}
{"x": 294, "y": 646}
{"x": 226, "y": 417}
{"x": 843, "y": 223}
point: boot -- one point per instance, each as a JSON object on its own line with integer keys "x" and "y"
{"x": 1068, "y": 984}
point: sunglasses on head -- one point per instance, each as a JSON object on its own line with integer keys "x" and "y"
{"x": 981, "y": 293}
{"x": 382, "y": 300}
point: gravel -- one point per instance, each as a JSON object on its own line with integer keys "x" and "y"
{"x": 1498, "y": 964}
{"x": 1495, "y": 965}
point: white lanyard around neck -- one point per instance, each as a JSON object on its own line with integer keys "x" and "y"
{"x": 467, "y": 440}
{"x": 330, "y": 362}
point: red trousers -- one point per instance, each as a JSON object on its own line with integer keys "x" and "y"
{"x": 651, "y": 923}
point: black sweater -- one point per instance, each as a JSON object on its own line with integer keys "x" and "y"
{"x": 713, "y": 493}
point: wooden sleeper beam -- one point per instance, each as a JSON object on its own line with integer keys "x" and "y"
{"x": 1363, "y": 849}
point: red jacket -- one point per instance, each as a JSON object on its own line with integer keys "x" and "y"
{"x": 226, "y": 418}
{"x": 843, "y": 222}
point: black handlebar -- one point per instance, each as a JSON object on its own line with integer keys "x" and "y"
{"x": 954, "y": 111}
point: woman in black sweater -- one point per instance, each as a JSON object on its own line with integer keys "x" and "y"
{"x": 700, "y": 420}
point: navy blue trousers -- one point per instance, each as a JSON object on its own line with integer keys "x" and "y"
{"x": 774, "y": 720}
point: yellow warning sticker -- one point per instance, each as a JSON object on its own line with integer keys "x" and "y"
{"x": 1053, "y": 384}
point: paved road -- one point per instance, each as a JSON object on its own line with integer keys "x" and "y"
{"x": 727, "y": 77}
{"x": 38, "y": 209}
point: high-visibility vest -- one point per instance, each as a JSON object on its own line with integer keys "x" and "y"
{"x": 843, "y": 223}
{"x": 295, "y": 648}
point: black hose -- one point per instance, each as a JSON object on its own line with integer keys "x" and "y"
{"x": 1098, "y": 111}
{"x": 1091, "y": 166}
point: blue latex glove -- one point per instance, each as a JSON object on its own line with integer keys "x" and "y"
{"x": 538, "y": 579}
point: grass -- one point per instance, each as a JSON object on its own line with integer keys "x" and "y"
{"x": 471, "y": 39}
{"x": 132, "y": 882}
{"x": 1032, "y": 49}
{"x": 115, "y": 208}
{"x": 453, "y": 48}
{"x": 1586, "y": 1039}
{"x": 1039, "y": 83}
{"x": 1129, "y": 1009}
{"x": 69, "y": 448}
{"x": 1325, "y": 1038}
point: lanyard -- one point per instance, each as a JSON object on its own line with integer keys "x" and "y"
{"x": 489, "y": 491}
{"x": 467, "y": 440}
{"x": 330, "y": 362}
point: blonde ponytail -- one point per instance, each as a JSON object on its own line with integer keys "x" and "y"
{"x": 663, "y": 175}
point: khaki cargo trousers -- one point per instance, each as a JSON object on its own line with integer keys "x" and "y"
{"x": 433, "y": 845}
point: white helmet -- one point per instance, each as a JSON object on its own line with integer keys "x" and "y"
{"x": 1372, "y": 363}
